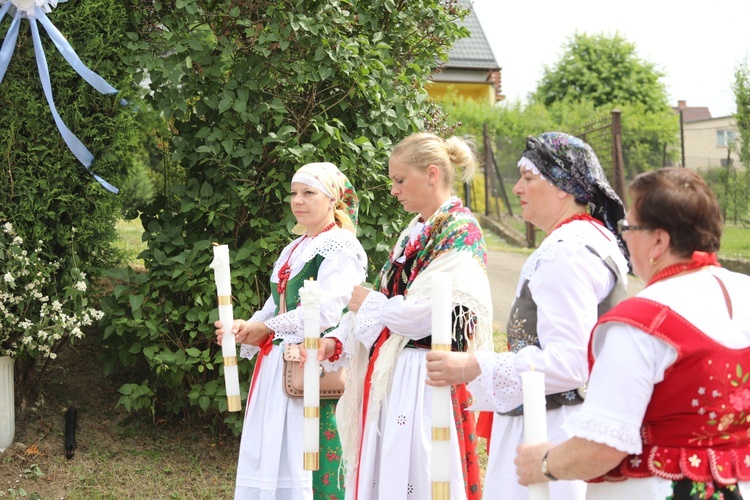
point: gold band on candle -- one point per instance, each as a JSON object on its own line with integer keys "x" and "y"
{"x": 441, "y": 433}
{"x": 312, "y": 461}
{"x": 234, "y": 403}
{"x": 312, "y": 343}
{"x": 441, "y": 347}
{"x": 311, "y": 411}
{"x": 225, "y": 300}
{"x": 441, "y": 491}
{"x": 230, "y": 360}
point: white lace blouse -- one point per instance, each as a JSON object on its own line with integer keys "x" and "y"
{"x": 343, "y": 267}
{"x": 630, "y": 362}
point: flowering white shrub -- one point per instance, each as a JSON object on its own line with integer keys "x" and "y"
{"x": 39, "y": 307}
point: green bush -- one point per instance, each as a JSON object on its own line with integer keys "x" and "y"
{"x": 138, "y": 190}
{"x": 252, "y": 91}
{"x": 44, "y": 190}
{"x": 46, "y": 194}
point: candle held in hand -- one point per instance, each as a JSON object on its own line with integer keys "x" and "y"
{"x": 535, "y": 421}
{"x": 310, "y": 297}
{"x": 442, "y": 313}
{"x": 223, "y": 278}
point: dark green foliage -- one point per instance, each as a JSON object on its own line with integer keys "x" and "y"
{"x": 44, "y": 190}
{"x": 138, "y": 190}
{"x": 742, "y": 96}
{"x": 604, "y": 70}
{"x": 735, "y": 179}
{"x": 252, "y": 90}
{"x": 602, "y": 73}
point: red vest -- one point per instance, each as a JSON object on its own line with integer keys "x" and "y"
{"x": 697, "y": 424}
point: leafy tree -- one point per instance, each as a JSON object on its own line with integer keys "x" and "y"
{"x": 740, "y": 187}
{"x": 742, "y": 96}
{"x": 605, "y": 70}
{"x": 138, "y": 190}
{"x": 507, "y": 125}
{"x": 251, "y": 91}
{"x": 46, "y": 194}
{"x": 44, "y": 190}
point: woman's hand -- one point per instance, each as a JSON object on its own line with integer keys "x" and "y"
{"x": 358, "y": 297}
{"x": 238, "y": 323}
{"x": 326, "y": 349}
{"x": 245, "y": 332}
{"x": 451, "y": 368}
{"x": 529, "y": 463}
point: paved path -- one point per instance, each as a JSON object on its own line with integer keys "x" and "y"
{"x": 503, "y": 269}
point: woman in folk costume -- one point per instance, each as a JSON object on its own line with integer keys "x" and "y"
{"x": 385, "y": 414}
{"x": 271, "y": 451}
{"x": 578, "y": 272}
{"x": 666, "y": 414}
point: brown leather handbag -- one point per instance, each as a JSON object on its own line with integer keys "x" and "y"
{"x": 331, "y": 383}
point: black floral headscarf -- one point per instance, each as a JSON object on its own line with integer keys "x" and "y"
{"x": 571, "y": 165}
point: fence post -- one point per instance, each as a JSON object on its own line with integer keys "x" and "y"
{"x": 618, "y": 168}
{"x": 682, "y": 139}
{"x": 530, "y": 235}
{"x": 487, "y": 186}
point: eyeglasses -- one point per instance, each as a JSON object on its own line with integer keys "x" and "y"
{"x": 622, "y": 226}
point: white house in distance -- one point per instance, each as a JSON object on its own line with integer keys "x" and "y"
{"x": 708, "y": 142}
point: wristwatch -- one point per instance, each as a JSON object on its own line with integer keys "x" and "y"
{"x": 545, "y": 467}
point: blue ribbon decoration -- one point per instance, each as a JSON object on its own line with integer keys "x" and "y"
{"x": 10, "y": 40}
{"x": 6, "y": 51}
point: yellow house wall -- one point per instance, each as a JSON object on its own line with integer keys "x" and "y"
{"x": 482, "y": 92}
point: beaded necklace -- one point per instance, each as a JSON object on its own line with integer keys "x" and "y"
{"x": 285, "y": 271}
{"x": 579, "y": 217}
{"x": 697, "y": 260}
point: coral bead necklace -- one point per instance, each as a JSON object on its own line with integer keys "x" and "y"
{"x": 285, "y": 271}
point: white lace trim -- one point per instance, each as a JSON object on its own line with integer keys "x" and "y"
{"x": 498, "y": 387}
{"x": 325, "y": 244}
{"x": 578, "y": 233}
{"x": 287, "y": 327}
{"x": 342, "y": 333}
{"x": 368, "y": 322}
{"x": 605, "y": 430}
{"x": 312, "y": 182}
{"x": 529, "y": 165}
{"x": 250, "y": 351}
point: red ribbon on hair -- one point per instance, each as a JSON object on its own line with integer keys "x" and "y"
{"x": 705, "y": 258}
{"x": 698, "y": 260}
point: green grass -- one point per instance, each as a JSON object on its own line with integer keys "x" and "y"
{"x": 735, "y": 242}
{"x": 119, "y": 455}
{"x": 129, "y": 241}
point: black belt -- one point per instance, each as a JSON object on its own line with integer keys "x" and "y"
{"x": 554, "y": 401}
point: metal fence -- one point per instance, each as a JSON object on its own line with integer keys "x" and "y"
{"x": 712, "y": 151}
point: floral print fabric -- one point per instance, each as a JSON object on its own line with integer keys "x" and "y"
{"x": 571, "y": 165}
{"x": 697, "y": 425}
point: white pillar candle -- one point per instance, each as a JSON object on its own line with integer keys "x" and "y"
{"x": 310, "y": 298}
{"x": 535, "y": 421}
{"x": 442, "y": 410}
{"x": 223, "y": 278}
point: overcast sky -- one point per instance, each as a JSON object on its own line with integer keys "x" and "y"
{"x": 698, "y": 45}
